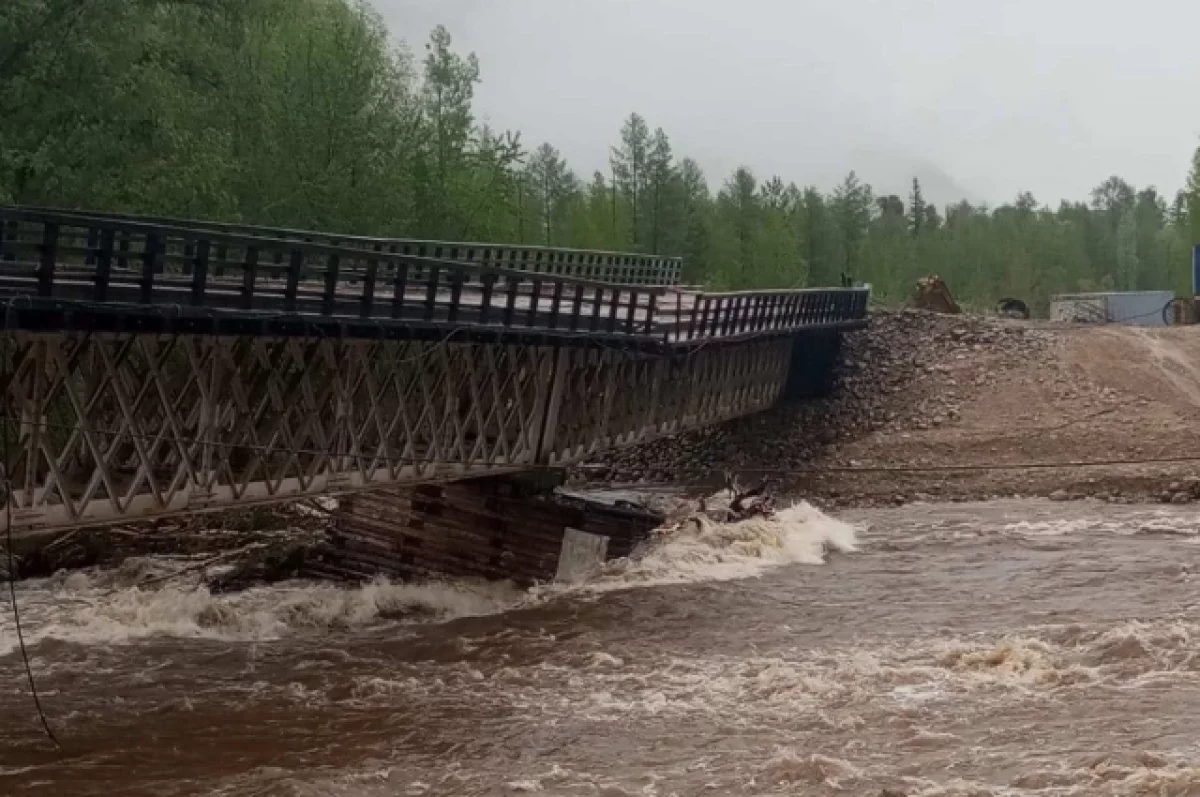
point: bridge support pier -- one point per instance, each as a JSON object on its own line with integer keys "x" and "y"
{"x": 812, "y": 366}
{"x": 501, "y": 528}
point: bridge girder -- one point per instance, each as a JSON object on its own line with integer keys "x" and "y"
{"x": 116, "y": 426}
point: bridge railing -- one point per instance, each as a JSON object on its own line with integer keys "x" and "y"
{"x": 599, "y": 266}
{"x": 135, "y": 265}
{"x": 67, "y": 257}
{"x": 700, "y": 315}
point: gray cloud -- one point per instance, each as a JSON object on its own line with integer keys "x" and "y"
{"x": 981, "y": 99}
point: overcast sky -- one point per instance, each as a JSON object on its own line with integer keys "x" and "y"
{"x": 981, "y": 98}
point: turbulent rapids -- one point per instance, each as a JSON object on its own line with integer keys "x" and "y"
{"x": 108, "y": 606}
{"x": 1008, "y": 648}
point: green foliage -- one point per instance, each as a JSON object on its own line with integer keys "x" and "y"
{"x": 305, "y": 113}
{"x": 557, "y": 193}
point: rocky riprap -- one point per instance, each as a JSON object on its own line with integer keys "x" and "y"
{"x": 908, "y": 370}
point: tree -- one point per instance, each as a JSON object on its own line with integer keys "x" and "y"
{"x": 328, "y": 122}
{"x": 738, "y": 219}
{"x": 491, "y": 179}
{"x": 933, "y": 221}
{"x": 555, "y": 187}
{"x": 696, "y": 211}
{"x": 851, "y": 205}
{"x": 660, "y": 170}
{"x": 1178, "y": 214}
{"x": 891, "y": 207}
{"x": 1192, "y": 206}
{"x": 1113, "y": 196}
{"x": 630, "y": 164}
{"x": 1127, "y": 251}
{"x": 824, "y": 248}
{"x": 775, "y": 195}
{"x": 1151, "y": 219}
{"x": 777, "y": 261}
{"x": 598, "y": 216}
{"x": 918, "y": 210}
{"x": 113, "y": 102}
{"x": 443, "y": 160}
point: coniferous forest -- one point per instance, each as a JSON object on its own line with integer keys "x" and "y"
{"x": 307, "y": 113}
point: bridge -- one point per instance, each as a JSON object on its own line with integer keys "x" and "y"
{"x": 158, "y": 366}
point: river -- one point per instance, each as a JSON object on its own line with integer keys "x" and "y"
{"x": 1006, "y": 648}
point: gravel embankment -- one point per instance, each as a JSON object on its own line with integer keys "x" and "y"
{"x": 953, "y": 407}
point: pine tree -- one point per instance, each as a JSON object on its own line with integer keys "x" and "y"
{"x": 630, "y": 164}
{"x": 1128, "y": 262}
{"x": 443, "y": 163}
{"x": 696, "y": 207}
{"x": 823, "y": 240}
{"x": 598, "y": 224}
{"x": 1192, "y": 206}
{"x": 737, "y": 220}
{"x": 660, "y": 170}
{"x": 917, "y": 209}
{"x": 851, "y": 205}
{"x": 774, "y": 194}
{"x": 933, "y": 221}
{"x": 555, "y": 186}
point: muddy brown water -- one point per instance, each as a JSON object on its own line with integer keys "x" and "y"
{"x": 1012, "y": 648}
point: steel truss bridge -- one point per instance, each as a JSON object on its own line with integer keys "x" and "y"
{"x": 156, "y": 366}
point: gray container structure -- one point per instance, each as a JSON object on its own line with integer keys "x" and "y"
{"x": 1133, "y": 308}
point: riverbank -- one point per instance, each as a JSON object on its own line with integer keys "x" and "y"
{"x": 933, "y": 407}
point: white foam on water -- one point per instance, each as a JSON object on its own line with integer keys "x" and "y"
{"x": 106, "y": 605}
{"x": 1124, "y": 773}
{"x": 703, "y": 550}
{"x": 729, "y": 690}
{"x": 918, "y": 694}
{"x": 1052, "y": 528}
{"x": 377, "y": 779}
{"x": 1137, "y": 649}
{"x": 1016, "y": 661}
{"x": 1149, "y": 778}
{"x": 959, "y": 787}
{"x": 830, "y": 687}
{"x": 1121, "y": 522}
{"x": 792, "y": 768}
{"x": 82, "y": 608}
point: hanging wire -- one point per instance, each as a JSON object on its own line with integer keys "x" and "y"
{"x": 6, "y": 490}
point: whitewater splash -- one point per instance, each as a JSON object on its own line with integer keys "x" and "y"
{"x": 85, "y": 609}
{"x": 107, "y": 606}
{"x": 703, "y": 550}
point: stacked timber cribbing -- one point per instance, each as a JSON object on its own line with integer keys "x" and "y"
{"x": 494, "y": 528}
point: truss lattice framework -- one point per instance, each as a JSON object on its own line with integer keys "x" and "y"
{"x": 104, "y": 427}
{"x": 612, "y": 400}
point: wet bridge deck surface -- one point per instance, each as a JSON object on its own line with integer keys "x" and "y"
{"x": 59, "y": 269}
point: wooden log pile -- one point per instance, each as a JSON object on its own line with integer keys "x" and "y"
{"x": 495, "y": 528}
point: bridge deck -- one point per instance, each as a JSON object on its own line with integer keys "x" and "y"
{"x": 603, "y": 266}
{"x": 114, "y": 265}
